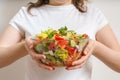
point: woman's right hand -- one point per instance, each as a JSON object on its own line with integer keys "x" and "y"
{"x": 36, "y": 57}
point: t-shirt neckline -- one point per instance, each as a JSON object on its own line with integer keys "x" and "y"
{"x": 70, "y": 6}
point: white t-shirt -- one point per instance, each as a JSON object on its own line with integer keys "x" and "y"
{"x": 49, "y": 16}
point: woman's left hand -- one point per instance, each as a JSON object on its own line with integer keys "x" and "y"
{"x": 87, "y": 52}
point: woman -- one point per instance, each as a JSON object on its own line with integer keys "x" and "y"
{"x": 76, "y": 15}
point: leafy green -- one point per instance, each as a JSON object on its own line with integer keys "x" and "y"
{"x": 41, "y": 47}
{"x": 51, "y": 34}
{"x": 72, "y": 43}
{"x": 63, "y": 30}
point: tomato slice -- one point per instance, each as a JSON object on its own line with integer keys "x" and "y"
{"x": 71, "y": 50}
{"x": 85, "y": 35}
{"x": 52, "y": 46}
{"x": 57, "y": 37}
{"x": 63, "y": 43}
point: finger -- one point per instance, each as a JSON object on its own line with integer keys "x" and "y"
{"x": 76, "y": 67}
{"x": 44, "y": 66}
{"x": 80, "y": 61}
{"x": 89, "y": 47}
{"x": 28, "y": 44}
{"x": 37, "y": 56}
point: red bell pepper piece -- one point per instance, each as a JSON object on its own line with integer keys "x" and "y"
{"x": 85, "y": 35}
{"x": 63, "y": 43}
{"x": 71, "y": 50}
{"x": 57, "y": 37}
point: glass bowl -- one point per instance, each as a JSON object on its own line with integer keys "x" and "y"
{"x": 60, "y": 52}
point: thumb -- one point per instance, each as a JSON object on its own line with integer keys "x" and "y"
{"x": 29, "y": 42}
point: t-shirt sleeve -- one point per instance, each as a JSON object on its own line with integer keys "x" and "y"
{"x": 18, "y": 20}
{"x": 100, "y": 19}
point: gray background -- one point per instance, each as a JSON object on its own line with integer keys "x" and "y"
{"x": 16, "y": 71}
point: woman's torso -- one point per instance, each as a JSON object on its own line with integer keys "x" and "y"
{"x": 55, "y": 17}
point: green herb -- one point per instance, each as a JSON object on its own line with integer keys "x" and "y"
{"x": 63, "y": 30}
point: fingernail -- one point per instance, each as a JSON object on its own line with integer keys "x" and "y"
{"x": 53, "y": 68}
{"x": 31, "y": 46}
{"x": 74, "y": 63}
{"x": 44, "y": 56}
{"x": 85, "y": 52}
{"x": 67, "y": 68}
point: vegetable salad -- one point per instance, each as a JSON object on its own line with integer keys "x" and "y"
{"x": 61, "y": 47}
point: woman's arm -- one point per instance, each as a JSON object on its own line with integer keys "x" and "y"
{"x": 107, "y": 48}
{"x": 11, "y": 47}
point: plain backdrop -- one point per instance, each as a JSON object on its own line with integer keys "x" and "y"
{"x": 16, "y": 71}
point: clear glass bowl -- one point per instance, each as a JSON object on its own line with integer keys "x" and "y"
{"x": 60, "y": 53}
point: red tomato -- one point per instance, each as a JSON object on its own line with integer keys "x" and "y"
{"x": 70, "y": 50}
{"x": 63, "y": 43}
{"x": 85, "y": 35}
{"x": 52, "y": 45}
{"x": 37, "y": 41}
{"x": 58, "y": 38}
